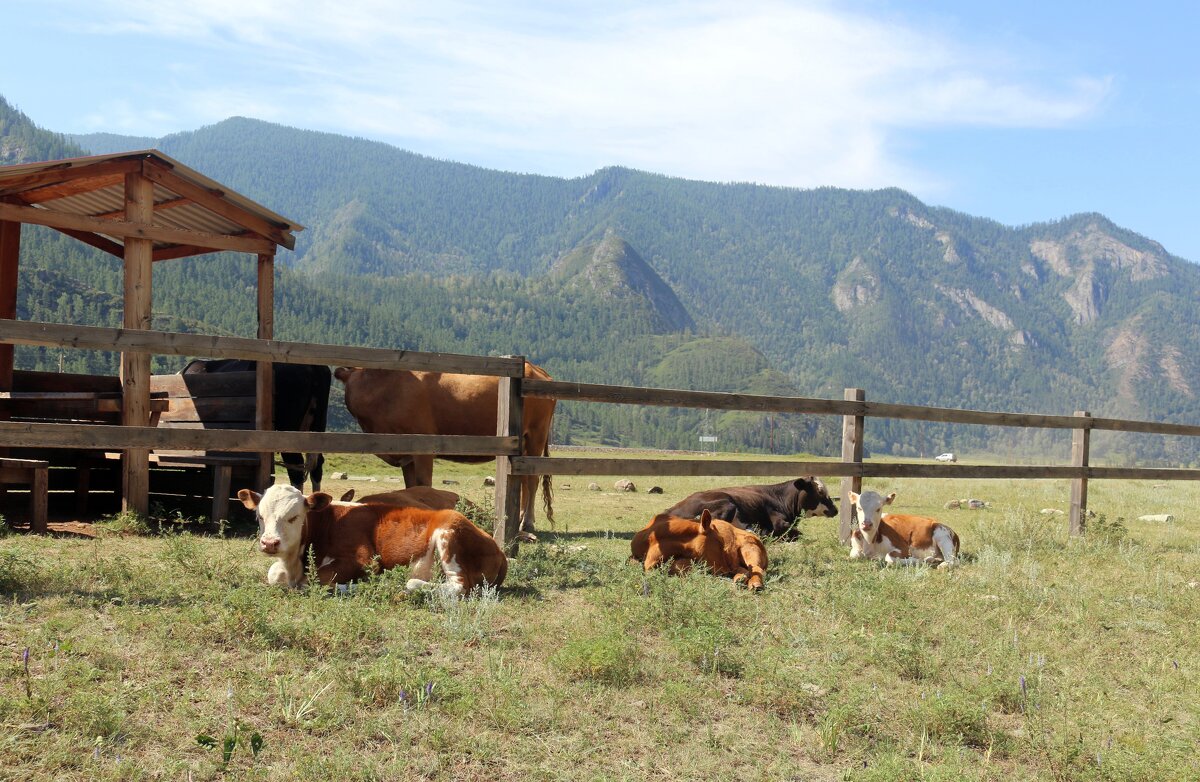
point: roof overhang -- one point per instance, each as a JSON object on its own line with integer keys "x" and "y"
{"x": 85, "y": 198}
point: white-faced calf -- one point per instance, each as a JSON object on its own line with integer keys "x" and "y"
{"x": 899, "y": 538}
{"x": 348, "y": 540}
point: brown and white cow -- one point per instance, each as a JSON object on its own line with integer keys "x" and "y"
{"x": 899, "y": 538}
{"x": 349, "y": 540}
{"x": 726, "y": 549}
{"x": 393, "y": 401}
{"x": 771, "y": 508}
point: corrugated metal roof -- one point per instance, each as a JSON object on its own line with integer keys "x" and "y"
{"x": 105, "y": 197}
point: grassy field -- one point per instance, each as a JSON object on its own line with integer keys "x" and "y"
{"x": 165, "y": 655}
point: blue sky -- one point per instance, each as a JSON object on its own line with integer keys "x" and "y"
{"x": 1019, "y": 111}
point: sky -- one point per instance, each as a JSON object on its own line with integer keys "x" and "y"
{"x": 1023, "y": 111}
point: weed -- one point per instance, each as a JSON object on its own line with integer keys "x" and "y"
{"x": 18, "y": 573}
{"x": 606, "y": 655}
{"x": 125, "y": 523}
{"x": 482, "y": 514}
{"x": 231, "y": 740}
{"x": 296, "y": 705}
{"x": 1105, "y": 532}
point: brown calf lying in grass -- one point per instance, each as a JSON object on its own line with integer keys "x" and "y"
{"x": 726, "y": 549}
{"x": 349, "y": 540}
{"x": 899, "y": 538}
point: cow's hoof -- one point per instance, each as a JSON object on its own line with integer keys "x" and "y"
{"x": 525, "y": 536}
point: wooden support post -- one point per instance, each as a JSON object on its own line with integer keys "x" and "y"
{"x": 135, "y": 367}
{"x": 1080, "y": 448}
{"x": 222, "y": 474}
{"x": 852, "y": 453}
{"x": 265, "y": 378}
{"x": 510, "y": 410}
{"x": 10, "y": 255}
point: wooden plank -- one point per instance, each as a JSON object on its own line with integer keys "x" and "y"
{"x": 10, "y": 259}
{"x": 509, "y": 415}
{"x": 25, "y": 380}
{"x": 531, "y": 465}
{"x": 205, "y": 384}
{"x": 88, "y": 436}
{"x": 214, "y": 201}
{"x": 1080, "y": 449}
{"x": 554, "y": 389}
{"x": 135, "y": 367}
{"x": 97, "y": 241}
{"x": 73, "y": 187}
{"x": 130, "y": 230}
{"x": 179, "y": 344}
{"x": 39, "y": 499}
{"x": 852, "y": 453}
{"x": 73, "y": 171}
{"x": 264, "y": 378}
{"x": 171, "y": 252}
{"x": 217, "y": 411}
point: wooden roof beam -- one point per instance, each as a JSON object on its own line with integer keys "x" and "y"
{"x": 63, "y": 221}
{"x": 38, "y": 187}
{"x": 214, "y": 201}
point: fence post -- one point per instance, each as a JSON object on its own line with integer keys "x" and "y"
{"x": 1080, "y": 446}
{"x": 510, "y": 414}
{"x": 852, "y": 452}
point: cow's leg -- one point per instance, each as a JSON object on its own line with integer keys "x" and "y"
{"x": 944, "y": 540}
{"x": 317, "y": 470}
{"x": 421, "y": 569}
{"x": 894, "y": 557}
{"x": 654, "y": 557}
{"x": 857, "y": 548}
{"x": 418, "y": 471}
{"x": 528, "y": 495}
{"x": 294, "y": 464}
{"x": 755, "y": 560}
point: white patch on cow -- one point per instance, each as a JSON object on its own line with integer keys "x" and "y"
{"x": 944, "y": 540}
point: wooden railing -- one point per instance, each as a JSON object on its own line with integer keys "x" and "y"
{"x": 514, "y": 389}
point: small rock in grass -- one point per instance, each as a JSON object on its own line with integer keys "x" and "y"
{"x": 593, "y": 486}
{"x": 489, "y": 480}
{"x": 654, "y": 490}
{"x": 624, "y": 485}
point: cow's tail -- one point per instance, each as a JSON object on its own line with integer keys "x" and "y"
{"x": 547, "y": 492}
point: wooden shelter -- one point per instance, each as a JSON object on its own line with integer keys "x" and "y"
{"x": 142, "y": 207}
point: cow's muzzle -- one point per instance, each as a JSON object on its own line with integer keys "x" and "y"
{"x": 269, "y": 545}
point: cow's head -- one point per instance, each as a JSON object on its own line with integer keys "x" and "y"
{"x": 282, "y": 515}
{"x": 868, "y": 508}
{"x": 814, "y": 497}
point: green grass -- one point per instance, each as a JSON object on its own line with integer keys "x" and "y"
{"x": 1042, "y": 658}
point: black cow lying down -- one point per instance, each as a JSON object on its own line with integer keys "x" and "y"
{"x": 301, "y": 405}
{"x": 771, "y": 509}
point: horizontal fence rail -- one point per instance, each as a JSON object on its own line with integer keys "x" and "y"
{"x": 537, "y": 465}
{"x": 93, "y": 436}
{"x": 168, "y": 343}
{"x": 713, "y": 400}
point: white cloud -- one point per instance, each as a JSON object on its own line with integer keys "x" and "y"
{"x": 797, "y": 93}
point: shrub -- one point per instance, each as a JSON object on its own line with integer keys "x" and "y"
{"x": 608, "y": 656}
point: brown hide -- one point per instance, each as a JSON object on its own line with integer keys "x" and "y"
{"x": 390, "y": 401}
{"x": 417, "y": 497}
{"x": 347, "y": 538}
{"x": 727, "y": 550}
{"x": 906, "y": 532}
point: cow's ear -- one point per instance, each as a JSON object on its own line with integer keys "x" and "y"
{"x": 341, "y": 373}
{"x": 705, "y": 518}
{"x": 888, "y": 499}
{"x": 249, "y": 498}
{"x": 349, "y": 495}
{"x": 318, "y": 500}
{"x": 852, "y": 496}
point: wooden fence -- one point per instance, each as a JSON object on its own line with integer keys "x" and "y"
{"x": 854, "y": 410}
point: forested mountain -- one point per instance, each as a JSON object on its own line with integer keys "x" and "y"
{"x": 629, "y": 277}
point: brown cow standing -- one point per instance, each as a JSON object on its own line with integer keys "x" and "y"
{"x": 389, "y": 401}
{"x": 726, "y": 549}
{"x": 349, "y": 540}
